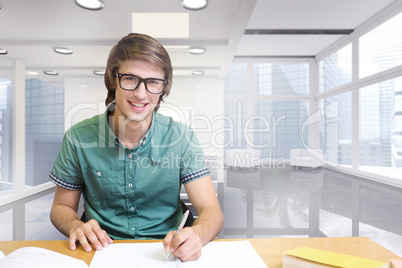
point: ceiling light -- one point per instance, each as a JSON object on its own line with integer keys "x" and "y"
{"x": 63, "y": 50}
{"x": 97, "y": 72}
{"x": 3, "y": 51}
{"x": 194, "y": 4}
{"x": 51, "y": 72}
{"x": 31, "y": 73}
{"x": 197, "y": 72}
{"x": 90, "y": 4}
{"x": 197, "y": 50}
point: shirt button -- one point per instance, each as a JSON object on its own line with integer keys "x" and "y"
{"x": 98, "y": 173}
{"x": 132, "y": 208}
{"x": 132, "y": 229}
{"x": 130, "y": 185}
{"x": 130, "y": 156}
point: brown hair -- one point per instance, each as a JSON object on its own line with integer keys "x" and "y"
{"x": 137, "y": 46}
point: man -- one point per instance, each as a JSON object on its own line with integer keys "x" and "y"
{"x": 130, "y": 163}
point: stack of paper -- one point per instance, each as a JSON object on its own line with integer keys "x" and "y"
{"x": 306, "y": 257}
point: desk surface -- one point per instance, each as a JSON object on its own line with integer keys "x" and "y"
{"x": 270, "y": 249}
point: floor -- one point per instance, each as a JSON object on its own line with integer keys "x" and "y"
{"x": 264, "y": 202}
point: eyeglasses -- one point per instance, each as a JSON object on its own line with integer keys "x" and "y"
{"x": 131, "y": 82}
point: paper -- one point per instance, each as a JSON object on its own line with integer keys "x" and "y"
{"x": 34, "y": 257}
{"x": 152, "y": 255}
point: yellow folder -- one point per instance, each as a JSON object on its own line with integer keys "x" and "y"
{"x": 311, "y": 257}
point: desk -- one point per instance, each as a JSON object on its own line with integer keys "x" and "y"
{"x": 270, "y": 249}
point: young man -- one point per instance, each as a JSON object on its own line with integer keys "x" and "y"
{"x": 131, "y": 161}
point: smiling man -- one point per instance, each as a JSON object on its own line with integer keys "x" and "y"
{"x": 131, "y": 161}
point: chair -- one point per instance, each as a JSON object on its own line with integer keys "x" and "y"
{"x": 306, "y": 158}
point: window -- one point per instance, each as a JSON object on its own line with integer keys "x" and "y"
{"x": 376, "y": 132}
{"x": 278, "y": 126}
{"x": 381, "y": 48}
{"x": 44, "y": 128}
{"x": 6, "y": 134}
{"x": 281, "y": 78}
{"x": 336, "y": 69}
{"x": 273, "y": 127}
{"x": 336, "y": 128}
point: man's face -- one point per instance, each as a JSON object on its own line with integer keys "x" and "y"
{"x": 137, "y": 105}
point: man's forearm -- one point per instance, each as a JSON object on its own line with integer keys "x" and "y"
{"x": 64, "y": 218}
{"x": 209, "y": 223}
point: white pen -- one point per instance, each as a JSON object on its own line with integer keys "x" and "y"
{"x": 181, "y": 225}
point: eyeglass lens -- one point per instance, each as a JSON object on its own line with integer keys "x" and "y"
{"x": 130, "y": 82}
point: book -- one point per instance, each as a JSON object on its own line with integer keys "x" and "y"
{"x": 396, "y": 263}
{"x": 34, "y": 257}
{"x": 306, "y": 257}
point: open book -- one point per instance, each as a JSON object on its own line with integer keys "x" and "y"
{"x": 306, "y": 257}
{"x": 34, "y": 257}
{"x": 138, "y": 255}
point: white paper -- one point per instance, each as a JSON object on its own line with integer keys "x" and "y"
{"x": 151, "y": 255}
{"x": 34, "y": 257}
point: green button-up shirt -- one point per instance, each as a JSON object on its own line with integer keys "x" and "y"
{"x": 132, "y": 193}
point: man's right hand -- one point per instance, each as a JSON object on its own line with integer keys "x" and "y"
{"x": 89, "y": 233}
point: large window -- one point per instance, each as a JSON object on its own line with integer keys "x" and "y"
{"x": 6, "y": 134}
{"x": 336, "y": 129}
{"x": 376, "y": 132}
{"x": 336, "y": 69}
{"x": 381, "y": 48}
{"x": 44, "y": 129}
{"x": 281, "y": 78}
{"x": 374, "y": 103}
{"x": 271, "y": 126}
{"x": 279, "y": 125}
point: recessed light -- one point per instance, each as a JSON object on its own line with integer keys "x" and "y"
{"x": 3, "y": 51}
{"x": 90, "y": 4}
{"x": 99, "y": 72}
{"x": 197, "y": 50}
{"x": 197, "y": 72}
{"x": 194, "y": 4}
{"x": 63, "y": 50}
{"x": 51, "y": 72}
{"x": 31, "y": 73}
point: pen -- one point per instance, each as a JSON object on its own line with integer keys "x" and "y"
{"x": 181, "y": 225}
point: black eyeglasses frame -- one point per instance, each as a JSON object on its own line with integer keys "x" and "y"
{"x": 142, "y": 80}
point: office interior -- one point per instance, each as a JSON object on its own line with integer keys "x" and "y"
{"x": 268, "y": 78}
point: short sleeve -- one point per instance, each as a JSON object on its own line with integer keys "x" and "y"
{"x": 66, "y": 171}
{"x": 192, "y": 161}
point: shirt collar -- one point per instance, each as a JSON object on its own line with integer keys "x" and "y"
{"x": 114, "y": 140}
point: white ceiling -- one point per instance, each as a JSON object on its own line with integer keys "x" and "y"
{"x": 29, "y": 29}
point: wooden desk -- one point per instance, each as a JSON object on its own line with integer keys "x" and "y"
{"x": 270, "y": 249}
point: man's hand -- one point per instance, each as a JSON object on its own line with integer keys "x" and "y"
{"x": 187, "y": 245}
{"x": 89, "y": 233}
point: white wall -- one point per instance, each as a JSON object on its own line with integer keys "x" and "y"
{"x": 83, "y": 98}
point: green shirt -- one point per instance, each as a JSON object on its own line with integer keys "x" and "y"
{"x": 132, "y": 193}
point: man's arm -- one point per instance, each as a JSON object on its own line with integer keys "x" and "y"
{"x": 188, "y": 243}
{"x": 65, "y": 218}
